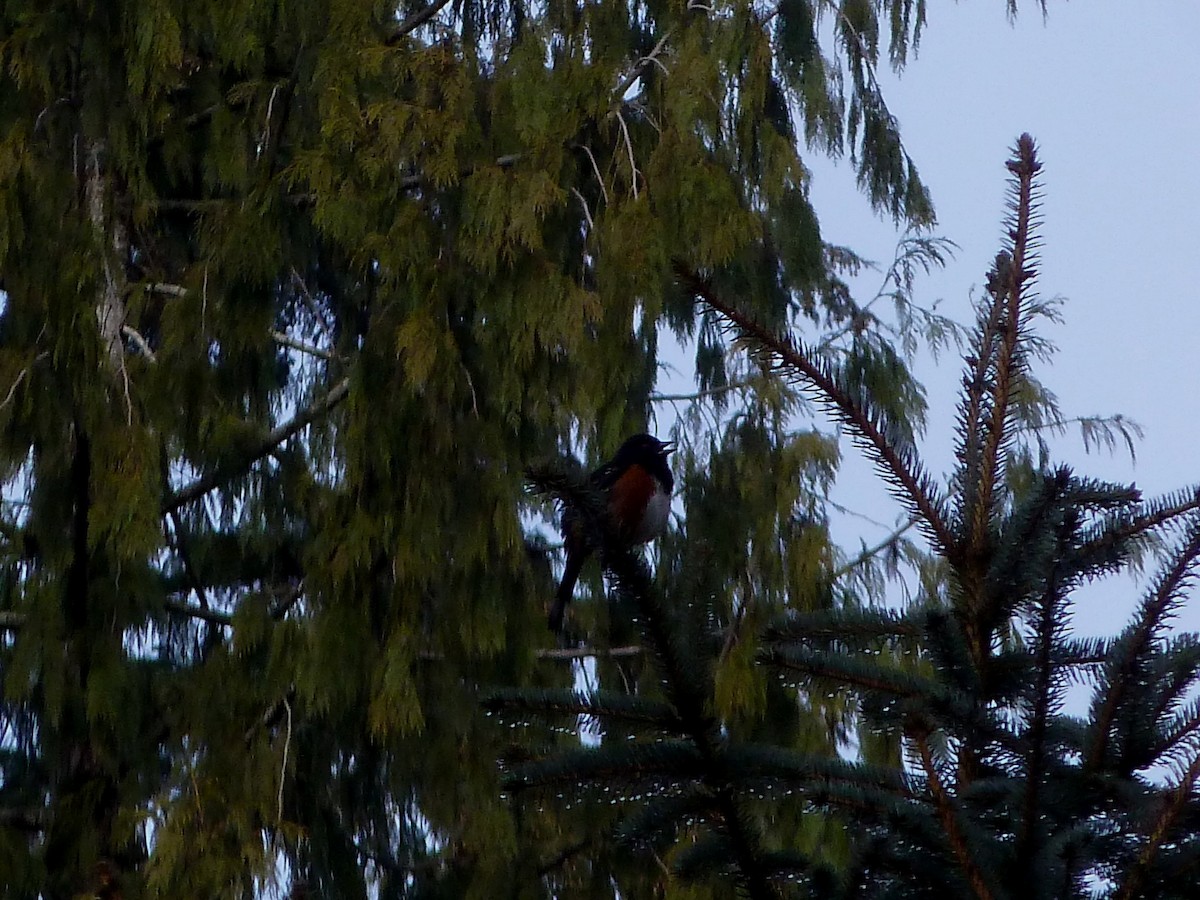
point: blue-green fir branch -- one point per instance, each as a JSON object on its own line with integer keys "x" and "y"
{"x": 914, "y": 487}
{"x": 1124, "y": 673}
{"x": 606, "y": 705}
{"x": 632, "y": 763}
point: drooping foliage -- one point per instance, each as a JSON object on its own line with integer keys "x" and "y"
{"x": 967, "y": 771}
{"x": 292, "y": 295}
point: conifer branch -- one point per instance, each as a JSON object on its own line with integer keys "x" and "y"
{"x": 1048, "y": 629}
{"x": 687, "y": 678}
{"x": 414, "y": 181}
{"x": 31, "y": 820}
{"x": 167, "y": 290}
{"x": 847, "y": 626}
{"x": 1176, "y": 802}
{"x": 632, "y": 763}
{"x": 1011, "y": 277}
{"x": 1095, "y": 430}
{"x": 1129, "y": 654}
{"x": 948, "y": 816}
{"x": 287, "y": 746}
{"x": 272, "y": 715}
{"x": 867, "y": 675}
{"x": 563, "y": 857}
{"x": 972, "y": 413}
{"x": 595, "y": 170}
{"x": 1160, "y": 512}
{"x": 273, "y": 439}
{"x": 906, "y": 475}
{"x": 19, "y": 540}
{"x": 595, "y": 705}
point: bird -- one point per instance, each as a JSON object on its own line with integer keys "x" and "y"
{"x": 636, "y": 485}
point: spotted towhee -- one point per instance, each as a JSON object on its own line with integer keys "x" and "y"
{"x": 637, "y": 485}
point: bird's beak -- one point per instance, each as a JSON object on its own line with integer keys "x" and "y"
{"x": 667, "y": 448}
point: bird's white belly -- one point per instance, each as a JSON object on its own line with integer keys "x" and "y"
{"x": 654, "y": 523}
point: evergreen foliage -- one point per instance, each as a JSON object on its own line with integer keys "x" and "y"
{"x": 293, "y": 293}
{"x": 961, "y": 770}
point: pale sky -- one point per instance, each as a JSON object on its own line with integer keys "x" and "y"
{"x": 1111, "y": 93}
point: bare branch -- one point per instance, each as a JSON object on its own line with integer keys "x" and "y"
{"x": 273, "y": 439}
{"x": 708, "y": 392}
{"x": 167, "y": 290}
{"x": 140, "y": 342}
{"x": 642, "y": 64}
{"x": 23, "y": 819}
{"x": 287, "y": 340}
{"x": 561, "y": 654}
{"x": 198, "y": 612}
{"x": 415, "y": 21}
{"x": 574, "y": 653}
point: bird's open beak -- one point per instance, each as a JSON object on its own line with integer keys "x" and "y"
{"x": 667, "y": 448}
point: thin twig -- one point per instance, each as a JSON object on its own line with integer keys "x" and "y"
{"x": 587, "y": 213}
{"x": 634, "y": 173}
{"x": 870, "y": 552}
{"x": 287, "y": 745}
{"x": 595, "y": 168}
{"x": 13, "y": 390}
{"x": 311, "y": 303}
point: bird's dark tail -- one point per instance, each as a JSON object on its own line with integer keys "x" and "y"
{"x": 566, "y": 589}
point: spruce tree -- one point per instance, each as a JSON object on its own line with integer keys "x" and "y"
{"x": 967, "y": 774}
{"x": 292, "y": 296}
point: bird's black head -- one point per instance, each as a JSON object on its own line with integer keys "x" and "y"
{"x": 648, "y": 452}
